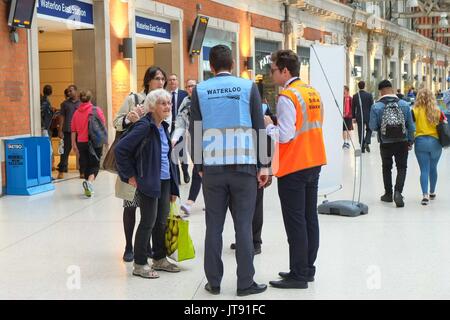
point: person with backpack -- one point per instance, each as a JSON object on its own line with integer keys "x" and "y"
{"x": 130, "y": 112}
{"x": 88, "y": 137}
{"x": 143, "y": 158}
{"x": 428, "y": 150}
{"x": 392, "y": 119}
{"x": 46, "y": 110}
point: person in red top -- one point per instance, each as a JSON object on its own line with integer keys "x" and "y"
{"x": 348, "y": 116}
{"x": 89, "y": 162}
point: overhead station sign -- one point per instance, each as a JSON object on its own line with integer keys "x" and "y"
{"x": 152, "y": 28}
{"x": 68, "y": 11}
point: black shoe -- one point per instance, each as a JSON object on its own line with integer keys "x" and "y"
{"x": 212, "y": 290}
{"x": 398, "y": 199}
{"x": 233, "y": 246}
{"x": 257, "y": 251}
{"x": 367, "y": 148}
{"x": 387, "y": 197}
{"x": 128, "y": 256}
{"x": 253, "y": 289}
{"x": 286, "y": 275}
{"x": 289, "y": 284}
{"x": 150, "y": 255}
{"x": 186, "y": 178}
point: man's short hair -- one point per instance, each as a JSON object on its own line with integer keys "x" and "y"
{"x": 221, "y": 58}
{"x": 287, "y": 59}
{"x": 361, "y": 85}
{"x": 384, "y": 84}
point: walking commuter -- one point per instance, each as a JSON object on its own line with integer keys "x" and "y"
{"x": 299, "y": 156}
{"x": 391, "y": 118}
{"x": 178, "y": 97}
{"x": 348, "y": 116}
{"x": 130, "y": 112}
{"x": 143, "y": 161}
{"x": 68, "y": 108}
{"x": 88, "y": 155}
{"x": 179, "y": 133}
{"x": 225, "y": 113}
{"x": 361, "y": 104}
{"x": 46, "y": 111}
{"x": 427, "y": 115}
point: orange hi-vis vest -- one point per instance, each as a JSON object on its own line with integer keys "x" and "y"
{"x": 307, "y": 148}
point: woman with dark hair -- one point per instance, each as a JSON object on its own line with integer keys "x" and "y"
{"x": 130, "y": 112}
{"x": 89, "y": 162}
{"x": 46, "y": 110}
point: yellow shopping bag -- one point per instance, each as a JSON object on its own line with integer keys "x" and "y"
{"x": 178, "y": 242}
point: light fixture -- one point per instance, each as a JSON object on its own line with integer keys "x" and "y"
{"x": 249, "y": 63}
{"x": 412, "y": 3}
{"x": 126, "y": 48}
{"x": 443, "y": 22}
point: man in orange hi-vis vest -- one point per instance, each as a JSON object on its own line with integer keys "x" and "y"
{"x": 299, "y": 156}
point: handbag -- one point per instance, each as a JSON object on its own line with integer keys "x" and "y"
{"x": 109, "y": 163}
{"x": 443, "y": 130}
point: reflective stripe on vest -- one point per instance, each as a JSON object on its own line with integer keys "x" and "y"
{"x": 226, "y": 120}
{"x": 307, "y": 125}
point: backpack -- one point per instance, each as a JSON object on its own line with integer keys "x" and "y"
{"x": 46, "y": 113}
{"x": 98, "y": 136}
{"x": 393, "y": 126}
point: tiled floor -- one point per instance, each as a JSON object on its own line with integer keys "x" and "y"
{"x": 59, "y": 245}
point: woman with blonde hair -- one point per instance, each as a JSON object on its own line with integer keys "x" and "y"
{"x": 427, "y": 116}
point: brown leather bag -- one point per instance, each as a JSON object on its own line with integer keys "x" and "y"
{"x": 109, "y": 163}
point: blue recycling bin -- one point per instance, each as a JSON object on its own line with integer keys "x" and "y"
{"x": 28, "y": 166}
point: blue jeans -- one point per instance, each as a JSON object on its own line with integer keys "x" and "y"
{"x": 428, "y": 151}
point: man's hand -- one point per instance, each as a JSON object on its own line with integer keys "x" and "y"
{"x": 75, "y": 149}
{"x": 263, "y": 177}
{"x": 267, "y": 121}
{"x": 200, "y": 173}
{"x": 61, "y": 134}
{"x": 410, "y": 146}
{"x": 133, "y": 116}
{"x": 132, "y": 182}
{"x": 174, "y": 142}
{"x": 269, "y": 182}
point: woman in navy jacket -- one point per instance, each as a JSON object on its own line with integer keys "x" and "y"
{"x": 143, "y": 158}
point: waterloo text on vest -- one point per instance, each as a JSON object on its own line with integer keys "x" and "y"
{"x": 224, "y": 90}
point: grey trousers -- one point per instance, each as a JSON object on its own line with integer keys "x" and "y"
{"x": 240, "y": 189}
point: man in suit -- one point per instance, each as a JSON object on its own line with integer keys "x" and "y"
{"x": 178, "y": 96}
{"x": 362, "y": 115}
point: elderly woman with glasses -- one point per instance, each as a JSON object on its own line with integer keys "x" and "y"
{"x": 143, "y": 161}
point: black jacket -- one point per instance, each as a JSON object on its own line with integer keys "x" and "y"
{"x": 138, "y": 154}
{"x": 367, "y": 102}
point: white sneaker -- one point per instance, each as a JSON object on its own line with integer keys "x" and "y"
{"x": 88, "y": 189}
{"x": 186, "y": 208}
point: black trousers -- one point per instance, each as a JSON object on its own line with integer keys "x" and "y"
{"x": 183, "y": 159}
{"x": 64, "y": 159}
{"x": 196, "y": 185}
{"x": 257, "y": 221}
{"x": 367, "y": 132}
{"x": 154, "y": 213}
{"x": 398, "y": 151}
{"x": 218, "y": 190}
{"x": 298, "y": 197}
{"x": 89, "y": 164}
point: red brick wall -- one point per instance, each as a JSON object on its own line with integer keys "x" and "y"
{"x": 314, "y": 34}
{"x": 14, "y": 86}
{"x": 219, "y": 11}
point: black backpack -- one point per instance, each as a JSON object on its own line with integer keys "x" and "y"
{"x": 46, "y": 113}
{"x": 98, "y": 136}
{"x": 393, "y": 127}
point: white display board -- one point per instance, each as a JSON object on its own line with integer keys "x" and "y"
{"x": 333, "y": 61}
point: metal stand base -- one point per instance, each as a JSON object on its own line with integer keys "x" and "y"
{"x": 345, "y": 208}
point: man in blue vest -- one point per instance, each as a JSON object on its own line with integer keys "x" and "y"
{"x": 226, "y": 119}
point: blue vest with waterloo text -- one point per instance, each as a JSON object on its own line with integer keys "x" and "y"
{"x": 227, "y": 123}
